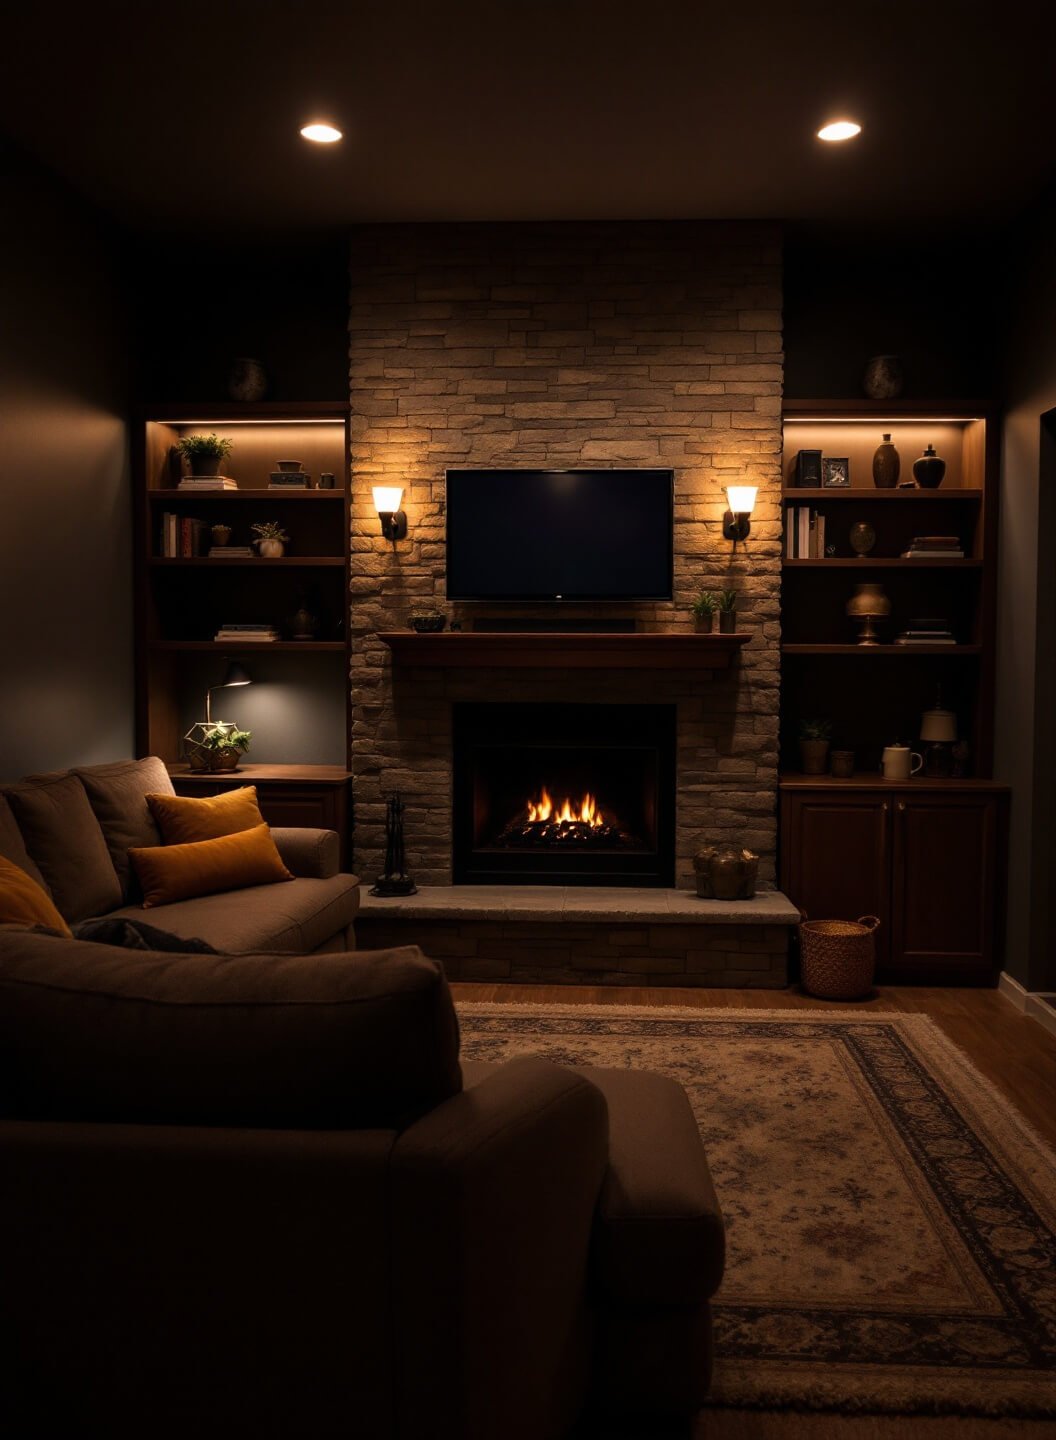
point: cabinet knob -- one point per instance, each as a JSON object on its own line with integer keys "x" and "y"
{"x": 901, "y": 804}
{"x": 883, "y": 807}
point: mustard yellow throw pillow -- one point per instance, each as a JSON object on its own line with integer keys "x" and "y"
{"x": 169, "y": 873}
{"x": 182, "y": 820}
{"x": 23, "y": 902}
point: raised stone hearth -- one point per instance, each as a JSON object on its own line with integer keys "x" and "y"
{"x": 599, "y": 936}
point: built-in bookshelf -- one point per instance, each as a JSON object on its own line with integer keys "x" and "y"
{"x": 300, "y": 697}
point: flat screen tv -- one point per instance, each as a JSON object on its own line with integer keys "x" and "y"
{"x": 559, "y": 535}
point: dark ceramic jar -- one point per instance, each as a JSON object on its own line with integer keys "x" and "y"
{"x": 929, "y": 470}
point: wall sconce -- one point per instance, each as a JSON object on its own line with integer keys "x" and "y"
{"x": 387, "y": 503}
{"x": 736, "y": 523}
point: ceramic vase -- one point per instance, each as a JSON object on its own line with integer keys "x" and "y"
{"x": 271, "y": 549}
{"x": 814, "y": 756}
{"x": 883, "y": 378}
{"x": 727, "y": 622}
{"x": 929, "y": 470}
{"x": 248, "y": 380}
{"x": 862, "y": 537}
{"x": 886, "y": 465}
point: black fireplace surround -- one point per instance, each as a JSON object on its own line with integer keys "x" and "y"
{"x": 557, "y": 794}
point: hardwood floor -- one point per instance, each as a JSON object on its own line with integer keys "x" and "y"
{"x": 1010, "y": 1050}
{"x": 1015, "y": 1053}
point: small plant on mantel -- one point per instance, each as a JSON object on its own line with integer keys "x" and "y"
{"x": 726, "y": 604}
{"x": 814, "y": 737}
{"x": 226, "y": 744}
{"x": 204, "y": 453}
{"x": 703, "y": 607}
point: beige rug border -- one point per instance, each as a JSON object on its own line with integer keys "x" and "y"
{"x": 994, "y": 1116}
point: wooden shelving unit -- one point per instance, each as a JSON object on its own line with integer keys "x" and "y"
{"x": 925, "y": 855}
{"x": 182, "y": 601}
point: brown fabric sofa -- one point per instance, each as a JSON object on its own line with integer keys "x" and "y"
{"x": 72, "y": 830}
{"x": 258, "y": 1196}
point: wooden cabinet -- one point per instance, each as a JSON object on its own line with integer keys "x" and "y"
{"x": 926, "y": 857}
{"x": 316, "y": 796}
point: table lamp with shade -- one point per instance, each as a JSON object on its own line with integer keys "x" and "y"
{"x": 938, "y": 734}
{"x": 195, "y": 751}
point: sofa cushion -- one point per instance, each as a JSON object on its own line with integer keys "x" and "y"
{"x": 169, "y": 873}
{"x": 95, "y": 1033}
{"x": 24, "y": 902}
{"x": 182, "y": 819}
{"x": 63, "y": 837}
{"x": 118, "y": 796}
{"x": 291, "y": 919}
{"x": 13, "y": 847}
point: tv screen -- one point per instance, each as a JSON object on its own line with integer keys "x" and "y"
{"x": 559, "y": 534}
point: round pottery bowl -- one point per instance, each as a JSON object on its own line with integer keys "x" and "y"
{"x": 291, "y": 465}
{"x": 428, "y": 624}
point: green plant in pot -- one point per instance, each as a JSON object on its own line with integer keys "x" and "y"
{"x": 703, "y": 607}
{"x": 204, "y": 453}
{"x": 224, "y": 745}
{"x": 814, "y": 737}
{"x": 726, "y": 604}
{"x": 271, "y": 539}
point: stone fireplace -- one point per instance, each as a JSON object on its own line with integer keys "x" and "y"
{"x": 565, "y": 345}
{"x": 551, "y": 794}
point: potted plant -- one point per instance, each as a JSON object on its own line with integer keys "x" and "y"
{"x": 703, "y": 607}
{"x": 224, "y": 745}
{"x": 726, "y": 604}
{"x": 271, "y": 539}
{"x": 204, "y": 453}
{"x": 814, "y": 737}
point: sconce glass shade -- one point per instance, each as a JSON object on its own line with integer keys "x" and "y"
{"x": 741, "y": 498}
{"x": 387, "y": 498}
{"x": 939, "y": 726}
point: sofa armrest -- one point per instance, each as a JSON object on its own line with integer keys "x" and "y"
{"x": 659, "y": 1234}
{"x": 493, "y": 1197}
{"x": 312, "y": 854}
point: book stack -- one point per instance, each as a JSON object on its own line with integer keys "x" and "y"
{"x": 251, "y": 633}
{"x": 934, "y": 547}
{"x": 804, "y": 533}
{"x": 231, "y": 552}
{"x": 288, "y": 480}
{"x": 181, "y": 537}
{"x": 926, "y": 632}
{"x": 207, "y": 482}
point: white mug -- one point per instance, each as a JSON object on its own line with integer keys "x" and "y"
{"x": 900, "y": 762}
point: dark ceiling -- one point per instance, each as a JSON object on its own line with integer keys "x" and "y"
{"x": 186, "y": 115}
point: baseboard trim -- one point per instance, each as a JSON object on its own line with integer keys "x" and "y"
{"x": 1031, "y": 1003}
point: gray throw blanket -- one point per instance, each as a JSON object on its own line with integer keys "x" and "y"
{"x": 137, "y": 935}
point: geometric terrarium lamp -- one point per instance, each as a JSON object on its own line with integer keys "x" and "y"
{"x": 216, "y": 744}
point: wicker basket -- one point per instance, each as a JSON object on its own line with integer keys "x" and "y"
{"x": 838, "y": 957}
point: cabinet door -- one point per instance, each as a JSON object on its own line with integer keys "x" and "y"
{"x": 835, "y": 863}
{"x": 944, "y": 886}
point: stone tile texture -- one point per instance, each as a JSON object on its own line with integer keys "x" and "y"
{"x": 564, "y": 345}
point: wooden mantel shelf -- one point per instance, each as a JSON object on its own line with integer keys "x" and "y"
{"x": 526, "y": 649}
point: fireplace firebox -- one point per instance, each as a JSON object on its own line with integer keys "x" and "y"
{"x": 552, "y": 794}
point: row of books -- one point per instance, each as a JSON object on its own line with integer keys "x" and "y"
{"x": 804, "y": 533}
{"x": 182, "y": 537}
{"x": 249, "y": 632}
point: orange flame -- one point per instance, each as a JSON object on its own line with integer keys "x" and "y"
{"x": 584, "y": 811}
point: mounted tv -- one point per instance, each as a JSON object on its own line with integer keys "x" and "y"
{"x": 559, "y": 535}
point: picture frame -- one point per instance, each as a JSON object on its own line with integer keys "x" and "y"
{"x": 835, "y": 472}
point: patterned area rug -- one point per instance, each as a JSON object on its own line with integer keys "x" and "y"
{"x": 891, "y": 1220}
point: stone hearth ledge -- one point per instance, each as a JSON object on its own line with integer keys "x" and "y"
{"x": 571, "y": 902}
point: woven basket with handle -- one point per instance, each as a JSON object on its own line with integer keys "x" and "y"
{"x": 838, "y": 957}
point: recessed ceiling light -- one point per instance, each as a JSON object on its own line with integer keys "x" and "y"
{"x": 322, "y": 134}
{"x": 834, "y": 130}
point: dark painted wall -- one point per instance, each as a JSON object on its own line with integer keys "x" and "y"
{"x": 931, "y": 298}
{"x": 65, "y": 505}
{"x": 1026, "y": 653}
